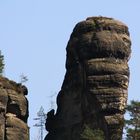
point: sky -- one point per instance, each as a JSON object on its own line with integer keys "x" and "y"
{"x": 33, "y": 39}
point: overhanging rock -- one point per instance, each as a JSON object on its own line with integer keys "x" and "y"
{"x": 94, "y": 91}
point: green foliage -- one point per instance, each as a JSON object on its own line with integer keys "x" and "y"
{"x": 1, "y": 63}
{"x": 90, "y": 134}
{"x": 133, "y": 124}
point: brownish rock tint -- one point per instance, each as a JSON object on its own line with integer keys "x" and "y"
{"x": 94, "y": 91}
{"x": 13, "y": 111}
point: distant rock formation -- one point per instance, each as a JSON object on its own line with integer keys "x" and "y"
{"x": 13, "y": 111}
{"x": 94, "y": 91}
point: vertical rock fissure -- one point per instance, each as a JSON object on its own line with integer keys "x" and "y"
{"x": 95, "y": 87}
{"x": 13, "y": 111}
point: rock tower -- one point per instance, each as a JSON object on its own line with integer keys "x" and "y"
{"x": 95, "y": 87}
{"x": 13, "y": 111}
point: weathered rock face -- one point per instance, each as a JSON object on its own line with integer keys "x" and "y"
{"x": 94, "y": 91}
{"x": 13, "y": 111}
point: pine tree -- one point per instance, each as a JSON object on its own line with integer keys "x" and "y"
{"x": 90, "y": 134}
{"x": 1, "y": 63}
{"x": 133, "y": 124}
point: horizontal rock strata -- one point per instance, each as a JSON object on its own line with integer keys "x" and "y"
{"x": 13, "y": 111}
{"x": 94, "y": 91}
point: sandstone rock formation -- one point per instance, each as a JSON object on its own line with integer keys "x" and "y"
{"x": 94, "y": 91}
{"x": 13, "y": 111}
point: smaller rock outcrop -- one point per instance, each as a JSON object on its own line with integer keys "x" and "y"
{"x": 13, "y": 111}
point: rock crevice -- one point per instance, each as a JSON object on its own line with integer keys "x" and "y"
{"x": 94, "y": 91}
{"x": 13, "y": 111}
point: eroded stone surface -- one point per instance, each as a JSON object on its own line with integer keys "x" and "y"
{"x": 94, "y": 91}
{"x": 13, "y": 111}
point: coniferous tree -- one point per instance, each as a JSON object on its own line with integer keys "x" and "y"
{"x": 1, "y": 63}
{"x": 90, "y": 134}
{"x": 133, "y": 124}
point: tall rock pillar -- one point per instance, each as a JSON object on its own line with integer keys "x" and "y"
{"x": 13, "y": 111}
{"x": 94, "y": 91}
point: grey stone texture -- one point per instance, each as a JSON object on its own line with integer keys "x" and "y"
{"x": 13, "y": 111}
{"x": 95, "y": 87}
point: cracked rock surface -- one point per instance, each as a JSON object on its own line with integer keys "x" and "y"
{"x": 13, "y": 111}
{"x": 95, "y": 87}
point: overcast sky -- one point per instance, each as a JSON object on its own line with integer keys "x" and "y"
{"x": 34, "y": 35}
